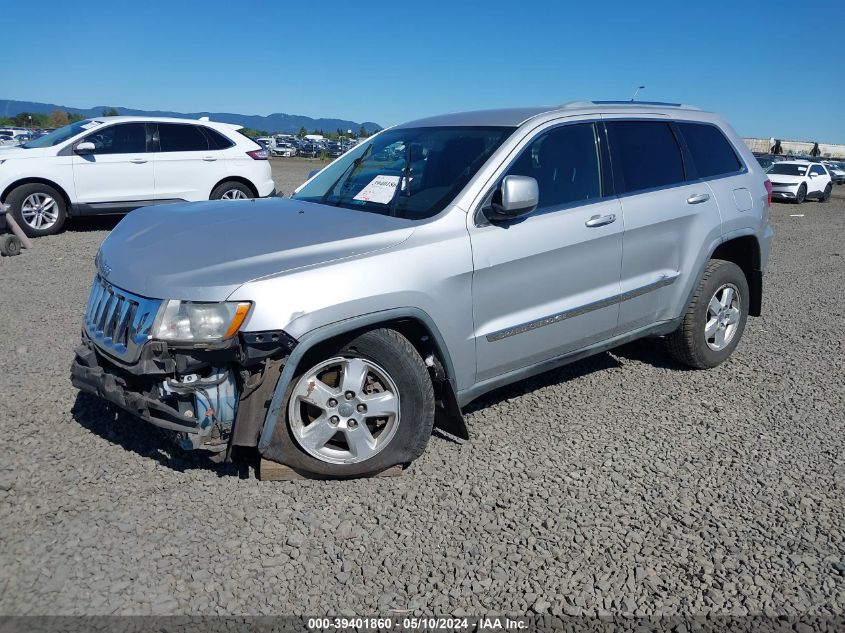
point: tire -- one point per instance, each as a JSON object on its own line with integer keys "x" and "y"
{"x": 387, "y": 357}
{"x": 826, "y": 194}
{"x": 10, "y": 245}
{"x": 802, "y": 194}
{"x": 690, "y": 344}
{"x": 231, "y": 190}
{"x": 38, "y": 209}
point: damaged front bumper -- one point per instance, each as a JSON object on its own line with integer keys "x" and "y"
{"x": 210, "y": 399}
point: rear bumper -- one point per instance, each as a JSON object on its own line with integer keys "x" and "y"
{"x": 266, "y": 188}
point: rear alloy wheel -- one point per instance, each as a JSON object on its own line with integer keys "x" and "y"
{"x": 802, "y": 194}
{"x": 715, "y": 318}
{"x": 826, "y": 194}
{"x": 358, "y": 408}
{"x": 38, "y": 209}
{"x": 232, "y": 190}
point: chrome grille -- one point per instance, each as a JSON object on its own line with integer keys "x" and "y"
{"x": 119, "y": 322}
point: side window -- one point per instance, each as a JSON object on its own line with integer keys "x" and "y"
{"x": 176, "y": 137}
{"x": 645, "y": 154}
{"x": 711, "y": 151}
{"x": 123, "y": 138}
{"x": 216, "y": 140}
{"x": 818, "y": 171}
{"x": 565, "y": 163}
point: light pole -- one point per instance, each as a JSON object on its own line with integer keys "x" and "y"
{"x": 636, "y": 92}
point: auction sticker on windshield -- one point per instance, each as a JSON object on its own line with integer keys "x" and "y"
{"x": 380, "y": 190}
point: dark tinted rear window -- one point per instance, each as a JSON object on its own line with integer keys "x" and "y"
{"x": 644, "y": 154}
{"x": 175, "y": 137}
{"x": 216, "y": 140}
{"x": 711, "y": 151}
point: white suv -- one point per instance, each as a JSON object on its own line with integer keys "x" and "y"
{"x": 798, "y": 180}
{"x": 116, "y": 164}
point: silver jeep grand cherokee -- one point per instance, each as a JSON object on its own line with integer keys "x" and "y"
{"x": 431, "y": 263}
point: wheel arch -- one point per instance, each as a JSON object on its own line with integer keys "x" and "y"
{"x": 413, "y": 323}
{"x": 744, "y": 251}
{"x": 239, "y": 179}
{"x": 35, "y": 180}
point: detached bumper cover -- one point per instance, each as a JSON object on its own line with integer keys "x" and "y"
{"x": 91, "y": 375}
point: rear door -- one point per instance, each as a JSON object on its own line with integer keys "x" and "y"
{"x": 188, "y": 162}
{"x": 668, "y": 220}
{"x": 120, "y": 169}
{"x": 716, "y": 162}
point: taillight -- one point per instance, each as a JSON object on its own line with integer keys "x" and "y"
{"x": 258, "y": 154}
{"x": 768, "y": 185}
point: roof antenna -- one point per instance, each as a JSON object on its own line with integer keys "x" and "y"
{"x": 636, "y": 92}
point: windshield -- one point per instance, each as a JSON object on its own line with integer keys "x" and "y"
{"x": 62, "y": 134}
{"x": 787, "y": 169}
{"x": 410, "y": 173}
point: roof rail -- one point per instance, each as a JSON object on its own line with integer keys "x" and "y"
{"x": 663, "y": 104}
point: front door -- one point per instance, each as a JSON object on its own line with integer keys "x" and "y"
{"x": 119, "y": 170}
{"x": 548, "y": 283}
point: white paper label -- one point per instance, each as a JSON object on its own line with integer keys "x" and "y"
{"x": 380, "y": 190}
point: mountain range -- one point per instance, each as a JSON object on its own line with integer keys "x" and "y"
{"x": 271, "y": 123}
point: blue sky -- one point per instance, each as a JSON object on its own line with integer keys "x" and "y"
{"x": 771, "y": 68}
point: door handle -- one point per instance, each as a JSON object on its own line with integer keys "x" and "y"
{"x": 601, "y": 220}
{"x": 698, "y": 198}
{"x": 209, "y": 158}
{"x": 138, "y": 161}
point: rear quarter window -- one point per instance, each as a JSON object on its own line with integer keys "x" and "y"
{"x": 712, "y": 153}
{"x": 216, "y": 140}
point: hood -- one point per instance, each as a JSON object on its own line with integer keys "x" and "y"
{"x": 203, "y": 251}
{"x": 15, "y": 151}
{"x": 784, "y": 179}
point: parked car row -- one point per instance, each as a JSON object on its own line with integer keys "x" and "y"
{"x": 18, "y": 136}
{"x": 110, "y": 165}
{"x": 289, "y": 145}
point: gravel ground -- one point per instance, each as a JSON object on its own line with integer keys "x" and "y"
{"x": 619, "y": 484}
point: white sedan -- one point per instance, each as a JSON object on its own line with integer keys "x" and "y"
{"x": 798, "y": 180}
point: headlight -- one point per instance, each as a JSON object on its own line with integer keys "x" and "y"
{"x": 199, "y": 322}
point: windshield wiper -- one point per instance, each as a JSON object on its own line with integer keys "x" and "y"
{"x": 346, "y": 175}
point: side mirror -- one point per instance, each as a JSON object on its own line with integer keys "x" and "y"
{"x": 313, "y": 173}
{"x": 520, "y": 196}
{"x": 86, "y": 147}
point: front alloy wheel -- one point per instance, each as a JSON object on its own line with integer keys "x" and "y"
{"x": 344, "y": 410}
{"x": 40, "y": 211}
{"x": 37, "y": 208}
{"x": 361, "y": 406}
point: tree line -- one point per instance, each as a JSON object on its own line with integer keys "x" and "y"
{"x": 57, "y": 118}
